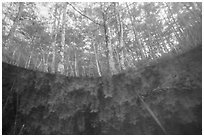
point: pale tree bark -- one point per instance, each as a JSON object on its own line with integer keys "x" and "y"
{"x": 97, "y": 59}
{"x": 121, "y": 42}
{"x": 118, "y": 49}
{"x": 71, "y": 70}
{"x": 29, "y": 60}
{"x": 63, "y": 34}
{"x": 54, "y": 35}
{"x": 109, "y": 53}
{"x": 39, "y": 64}
{"x": 110, "y": 49}
{"x": 91, "y": 69}
{"x": 83, "y": 71}
{"x": 45, "y": 61}
{"x": 35, "y": 64}
{"x": 75, "y": 64}
{"x": 41, "y": 59}
{"x": 122, "y": 47}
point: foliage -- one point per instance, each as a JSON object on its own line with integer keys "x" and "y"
{"x": 124, "y": 35}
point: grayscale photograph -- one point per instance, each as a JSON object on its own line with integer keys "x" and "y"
{"x": 101, "y": 68}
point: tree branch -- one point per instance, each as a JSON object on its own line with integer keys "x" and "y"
{"x": 84, "y": 15}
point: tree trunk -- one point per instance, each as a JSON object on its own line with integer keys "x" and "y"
{"x": 97, "y": 60}
{"x": 35, "y": 64}
{"x": 120, "y": 34}
{"x": 45, "y": 62}
{"x": 29, "y": 60}
{"x": 109, "y": 53}
{"x": 110, "y": 49}
{"x": 83, "y": 71}
{"x": 63, "y": 34}
{"x": 54, "y": 66}
{"x": 75, "y": 65}
{"x": 71, "y": 69}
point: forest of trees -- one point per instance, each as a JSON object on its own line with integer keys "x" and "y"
{"x": 96, "y": 39}
{"x": 101, "y": 68}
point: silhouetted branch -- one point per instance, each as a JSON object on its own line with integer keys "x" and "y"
{"x": 84, "y": 15}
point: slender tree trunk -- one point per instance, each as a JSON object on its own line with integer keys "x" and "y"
{"x": 110, "y": 49}
{"x": 118, "y": 49}
{"x": 44, "y": 62}
{"x": 54, "y": 66}
{"x": 71, "y": 69}
{"x": 122, "y": 46}
{"x": 29, "y": 60}
{"x": 97, "y": 60}
{"x": 63, "y": 34}
{"x": 119, "y": 20}
{"x": 39, "y": 64}
{"x": 91, "y": 69}
{"x": 75, "y": 64}
{"x": 83, "y": 72}
{"x": 35, "y": 64}
{"x": 109, "y": 53}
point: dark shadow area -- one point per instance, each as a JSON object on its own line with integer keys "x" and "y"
{"x": 165, "y": 96}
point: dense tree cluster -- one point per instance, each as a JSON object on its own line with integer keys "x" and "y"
{"x": 96, "y": 39}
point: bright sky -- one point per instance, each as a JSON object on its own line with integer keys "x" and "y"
{"x": 43, "y": 10}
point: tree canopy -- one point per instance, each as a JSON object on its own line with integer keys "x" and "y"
{"x": 96, "y": 39}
